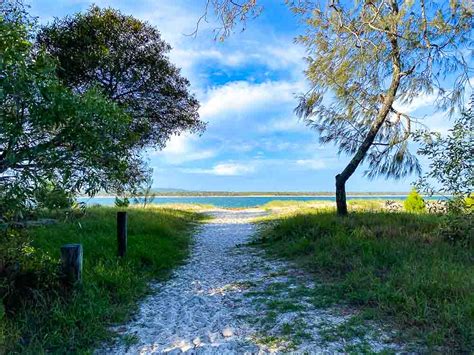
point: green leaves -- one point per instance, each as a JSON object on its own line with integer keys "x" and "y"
{"x": 50, "y": 134}
{"x": 126, "y": 60}
{"x": 367, "y": 58}
{"x": 414, "y": 202}
{"x": 451, "y": 168}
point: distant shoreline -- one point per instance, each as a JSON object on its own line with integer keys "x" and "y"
{"x": 244, "y": 196}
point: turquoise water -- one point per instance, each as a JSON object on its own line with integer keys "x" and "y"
{"x": 241, "y": 201}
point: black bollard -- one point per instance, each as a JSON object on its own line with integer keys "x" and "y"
{"x": 122, "y": 233}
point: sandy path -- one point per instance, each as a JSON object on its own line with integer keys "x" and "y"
{"x": 228, "y": 298}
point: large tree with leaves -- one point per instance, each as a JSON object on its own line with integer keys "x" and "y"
{"x": 51, "y": 135}
{"x": 127, "y": 59}
{"x": 366, "y": 59}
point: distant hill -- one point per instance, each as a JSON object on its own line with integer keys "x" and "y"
{"x": 167, "y": 190}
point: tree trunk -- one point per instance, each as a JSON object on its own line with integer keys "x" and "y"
{"x": 341, "y": 196}
{"x": 359, "y": 156}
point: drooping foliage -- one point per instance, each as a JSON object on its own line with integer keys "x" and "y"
{"x": 76, "y": 141}
{"x": 367, "y": 60}
{"x": 127, "y": 59}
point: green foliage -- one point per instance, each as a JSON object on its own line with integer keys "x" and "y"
{"x": 49, "y": 318}
{"x": 363, "y": 56}
{"x": 78, "y": 141}
{"x": 451, "y": 164}
{"x": 145, "y": 194}
{"x": 395, "y": 265}
{"x": 122, "y": 202}
{"x": 24, "y": 271}
{"x": 127, "y": 59}
{"x": 458, "y": 228}
{"x": 469, "y": 202}
{"x": 414, "y": 202}
{"x": 53, "y": 198}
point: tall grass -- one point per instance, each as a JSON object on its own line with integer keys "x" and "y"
{"x": 70, "y": 322}
{"x": 393, "y": 264}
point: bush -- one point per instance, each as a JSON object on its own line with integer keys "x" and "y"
{"x": 122, "y": 202}
{"x": 23, "y": 270}
{"x": 414, "y": 202}
{"x": 54, "y": 198}
{"x": 457, "y": 228}
{"x": 469, "y": 202}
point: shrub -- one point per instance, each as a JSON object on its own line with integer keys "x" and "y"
{"x": 23, "y": 270}
{"x": 414, "y": 202}
{"x": 122, "y": 202}
{"x": 457, "y": 228}
{"x": 469, "y": 202}
{"x": 54, "y": 198}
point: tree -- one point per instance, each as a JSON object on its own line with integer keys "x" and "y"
{"x": 365, "y": 59}
{"x": 414, "y": 202}
{"x": 127, "y": 59}
{"x": 451, "y": 157}
{"x": 49, "y": 135}
{"x": 145, "y": 194}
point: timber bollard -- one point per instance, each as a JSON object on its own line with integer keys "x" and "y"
{"x": 71, "y": 258}
{"x": 122, "y": 233}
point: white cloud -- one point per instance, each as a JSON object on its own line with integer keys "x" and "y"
{"x": 242, "y": 96}
{"x": 183, "y": 148}
{"x": 287, "y": 124}
{"x": 223, "y": 169}
{"x": 421, "y": 101}
{"x": 287, "y": 57}
{"x": 311, "y": 164}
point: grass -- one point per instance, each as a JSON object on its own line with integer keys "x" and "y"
{"x": 391, "y": 264}
{"x": 295, "y": 205}
{"x": 59, "y": 321}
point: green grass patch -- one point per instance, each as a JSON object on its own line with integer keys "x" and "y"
{"x": 357, "y": 204}
{"x": 392, "y": 263}
{"x": 52, "y": 319}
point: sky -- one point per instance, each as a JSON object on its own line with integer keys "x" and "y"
{"x": 247, "y": 87}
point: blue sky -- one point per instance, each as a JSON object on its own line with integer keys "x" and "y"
{"x": 246, "y": 86}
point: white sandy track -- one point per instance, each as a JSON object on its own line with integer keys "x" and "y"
{"x": 211, "y": 304}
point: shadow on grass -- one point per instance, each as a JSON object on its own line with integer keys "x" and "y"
{"x": 52, "y": 320}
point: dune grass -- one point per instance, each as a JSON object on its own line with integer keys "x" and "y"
{"x": 54, "y": 320}
{"x": 392, "y": 265}
{"x": 292, "y": 206}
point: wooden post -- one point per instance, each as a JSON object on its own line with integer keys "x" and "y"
{"x": 122, "y": 233}
{"x": 71, "y": 258}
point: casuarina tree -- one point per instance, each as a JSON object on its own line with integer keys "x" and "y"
{"x": 366, "y": 60}
{"x": 127, "y": 59}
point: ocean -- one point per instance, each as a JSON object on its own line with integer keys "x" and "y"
{"x": 242, "y": 201}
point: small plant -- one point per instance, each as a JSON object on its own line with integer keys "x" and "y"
{"x": 122, "y": 202}
{"x": 469, "y": 202}
{"x": 145, "y": 195}
{"x": 458, "y": 228}
{"x": 414, "y": 202}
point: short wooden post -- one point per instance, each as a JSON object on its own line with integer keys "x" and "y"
{"x": 71, "y": 258}
{"x": 122, "y": 233}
